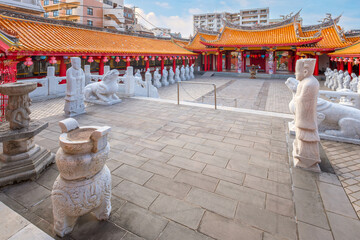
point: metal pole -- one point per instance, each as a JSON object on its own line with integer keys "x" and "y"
{"x": 178, "y": 93}
{"x": 215, "y": 95}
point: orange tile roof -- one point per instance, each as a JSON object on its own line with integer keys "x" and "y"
{"x": 179, "y": 42}
{"x": 330, "y": 39}
{"x": 196, "y": 45}
{"x": 351, "y": 51}
{"x": 353, "y": 39}
{"x": 52, "y": 39}
{"x": 277, "y": 36}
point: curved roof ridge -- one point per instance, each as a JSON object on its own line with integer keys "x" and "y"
{"x": 205, "y": 31}
{"x": 285, "y": 22}
{"x": 325, "y": 24}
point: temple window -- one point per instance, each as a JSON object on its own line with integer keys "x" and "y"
{"x": 90, "y": 22}
{"x": 69, "y": 11}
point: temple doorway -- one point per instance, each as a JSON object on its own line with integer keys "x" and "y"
{"x": 257, "y": 58}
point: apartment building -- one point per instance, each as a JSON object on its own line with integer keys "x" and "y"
{"x": 213, "y": 21}
{"x": 98, "y": 13}
{"x": 23, "y": 6}
{"x": 254, "y": 16}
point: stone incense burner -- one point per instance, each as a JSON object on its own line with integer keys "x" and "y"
{"x": 84, "y": 182}
{"x": 21, "y": 158}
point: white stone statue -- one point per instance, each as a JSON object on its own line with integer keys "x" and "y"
{"x": 84, "y": 182}
{"x": 182, "y": 73}
{"x": 187, "y": 72}
{"x": 192, "y": 76}
{"x": 138, "y": 74}
{"x": 104, "y": 92}
{"x": 354, "y": 82}
{"x": 148, "y": 76}
{"x": 177, "y": 74}
{"x": 171, "y": 76}
{"x": 327, "y": 74}
{"x": 347, "y": 80}
{"x": 306, "y": 145}
{"x": 333, "y": 81}
{"x": 340, "y": 81}
{"x": 333, "y": 119}
{"x": 157, "y": 78}
{"x": 74, "y": 99}
{"x": 164, "y": 79}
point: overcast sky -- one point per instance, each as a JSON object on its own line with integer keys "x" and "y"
{"x": 177, "y": 14}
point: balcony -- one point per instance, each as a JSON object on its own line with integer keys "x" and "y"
{"x": 113, "y": 25}
{"x": 60, "y": 5}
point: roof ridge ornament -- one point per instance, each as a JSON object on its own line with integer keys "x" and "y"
{"x": 328, "y": 21}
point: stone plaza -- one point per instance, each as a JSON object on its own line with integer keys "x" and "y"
{"x": 191, "y": 172}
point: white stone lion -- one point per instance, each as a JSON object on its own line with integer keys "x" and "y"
{"x": 104, "y": 92}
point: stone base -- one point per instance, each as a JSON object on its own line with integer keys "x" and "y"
{"x": 103, "y": 103}
{"x": 24, "y": 166}
{"x": 314, "y": 168}
{"x": 73, "y": 114}
{"x": 324, "y": 136}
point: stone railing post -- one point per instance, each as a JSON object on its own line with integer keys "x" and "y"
{"x": 106, "y": 69}
{"x": 52, "y": 81}
{"x": 87, "y": 74}
{"x": 130, "y": 82}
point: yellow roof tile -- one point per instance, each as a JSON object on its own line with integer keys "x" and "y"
{"x": 351, "y": 51}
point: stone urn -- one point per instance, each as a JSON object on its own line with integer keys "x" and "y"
{"x": 21, "y": 158}
{"x": 84, "y": 182}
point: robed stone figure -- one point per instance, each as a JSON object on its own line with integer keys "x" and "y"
{"x": 306, "y": 145}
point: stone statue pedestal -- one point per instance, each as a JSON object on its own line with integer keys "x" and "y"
{"x": 84, "y": 183}
{"x": 21, "y": 158}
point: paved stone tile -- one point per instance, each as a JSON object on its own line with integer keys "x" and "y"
{"x": 239, "y": 142}
{"x": 113, "y": 164}
{"x": 210, "y": 159}
{"x": 280, "y": 205}
{"x": 281, "y": 177}
{"x": 309, "y": 208}
{"x": 213, "y": 202}
{"x": 240, "y": 166}
{"x": 268, "y": 186}
{"x": 115, "y": 181}
{"x": 219, "y": 145}
{"x": 304, "y": 179}
{"x": 30, "y": 232}
{"x": 200, "y": 148}
{"x": 27, "y": 193}
{"x": 307, "y": 232}
{"x": 171, "y": 141}
{"x": 175, "y": 231}
{"x": 181, "y": 152}
{"x": 133, "y": 174}
{"x": 160, "y": 168}
{"x": 344, "y": 228}
{"x": 225, "y": 229}
{"x": 152, "y": 145}
{"x": 224, "y": 174}
{"x": 186, "y": 164}
{"x": 155, "y": 155}
{"x": 197, "y": 179}
{"x": 210, "y": 136}
{"x": 137, "y": 194}
{"x": 335, "y": 200}
{"x": 139, "y": 221}
{"x": 10, "y": 222}
{"x": 266, "y": 220}
{"x": 178, "y": 211}
{"x": 88, "y": 227}
{"x": 191, "y": 139}
{"x": 271, "y": 165}
{"x": 130, "y": 236}
{"x": 241, "y": 193}
{"x": 47, "y": 179}
{"x": 168, "y": 186}
{"x": 128, "y": 158}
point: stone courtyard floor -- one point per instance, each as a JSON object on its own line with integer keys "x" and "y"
{"x": 187, "y": 172}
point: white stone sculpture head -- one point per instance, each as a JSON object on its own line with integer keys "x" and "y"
{"x": 129, "y": 71}
{"x": 111, "y": 76}
{"x": 353, "y": 75}
{"x": 304, "y": 68}
{"x": 335, "y": 70}
{"x": 292, "y": 84}
{"x": 76, "y": 63}
{"x": 346, "y": 73}
{"x": 341, "y": 71}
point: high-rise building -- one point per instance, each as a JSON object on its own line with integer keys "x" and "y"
{"x": 213, "y": 21}
{"x": 23, "y": 6}
{"x": 98, "y": 13}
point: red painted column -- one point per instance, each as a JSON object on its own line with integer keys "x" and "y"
{"x": 62, "y": 68}
{"x": 218, "y": 63}
{"x": 174, "y": 65}
{"x": 128, "y": 64}
{"x": 316, "y": 71}
{"x": 212, "y": 62}
{"x": 205, "y": 62}
{"x": 221, "y": 59}
{"x": 184, "y": 63}
{"x": 147, "y": 65}
{"x": 350, "y": 68}
{"x": 101, "y": 66}
{"x": 342, "y": 65}
{"x": 209, "y": 59}
{"x": 162, "y": 66}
